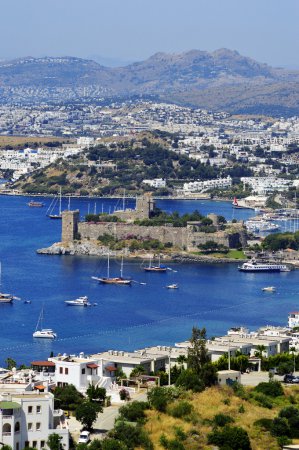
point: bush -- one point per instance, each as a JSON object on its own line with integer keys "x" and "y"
{"x": 189, "y": 380}
{"x": 264, "y": 423}
{"x": 134, "y": 411}
{"x": 220, "y": 420}
{"x": 181, "y": 409}
{"x": 280, "y": 427}
{"x": 263, "y": 400}
{"x": 232, "y": 438}
{"x": 158, "y": 398}
{"x": 132, "y": 436}
{"x": 272, "y": 388}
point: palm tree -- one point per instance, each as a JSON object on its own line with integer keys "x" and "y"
{"x": 96, "y": 393}
{"x": 259, "y": 353}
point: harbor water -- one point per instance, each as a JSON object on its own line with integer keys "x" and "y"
{"x": 216, "y": 296}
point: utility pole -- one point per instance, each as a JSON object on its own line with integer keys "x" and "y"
{"x": 229, "y": 354}
{"x": 169, "y": 367}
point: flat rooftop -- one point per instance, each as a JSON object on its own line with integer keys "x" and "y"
{"x": 123, "y": 357}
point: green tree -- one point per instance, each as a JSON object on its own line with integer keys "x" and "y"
{"x": 137, "y": 371}
{"x": 96, "y": 393}
{"x": 189, "y": 380}
{"x": 87, "y": 412}
{"x": 113, "y": 444}
{"x": 131, "y": 436}
{"x": 158, "y": 398}
{"x": 232, "y": 438}
{"x": 67, "y": 397}
{"x": 54, "y": 442}
{"x": 197, "y": 352}
{"x": 10, "y": 363}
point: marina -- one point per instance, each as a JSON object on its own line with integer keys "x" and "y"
{"x": 216, "y": 296}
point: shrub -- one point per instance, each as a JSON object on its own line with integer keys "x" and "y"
{"x": 124, "y": 394}
{"x": 189, "y": 380}
{"x": 263, "y": 400}
{"x": 220, "y": 420}
{"x": 232, "y": 438}
{"x": 132, "y": 436}
{"x": 241, "y": 409}
{"x": 134, "y": 411}
{"x": 280, "y": 427}
{"x": 264, "y": 423}
{"x": 158, "y": 398}
{"x": 181, "y": 409}
{"x": 272, "y": 388}
{"x": 180, "y": 433}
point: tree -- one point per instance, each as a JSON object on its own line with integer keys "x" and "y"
{"x": 87, "y": 412}
{"x": 158, "y": 398}
{"x": 137, "y": 371}
{"x": 54, "y": 442}
{"x": 10, "y": 363}
{"x": 96, "y": 393}
{"x": 190, "y": 380}
{"x": 260, "y": 349}
{"x": 67, "y": 397}
{"x": 197, "y": 352}
{"x": 113, "y": 444}
{"x": 132, "y": 436}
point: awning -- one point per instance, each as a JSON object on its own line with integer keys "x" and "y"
{"x": 9, "y": 405}
{"x": 111, "y": 368}
{"x": 92, "y": 366}
{"x": 40, "y": 387}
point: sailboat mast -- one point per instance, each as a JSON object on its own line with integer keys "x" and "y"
{"x": 124, "y": 199}
{"x": 60, "y": 202}
{"x": 108, "y": 266}
{"x": 122, "y": 267}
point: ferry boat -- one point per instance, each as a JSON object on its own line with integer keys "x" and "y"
{"x": 34, "y": 204}
{"x": 254, "y": 266}
{"x": 261, "y": 225}
{"x": 81, "y": 301}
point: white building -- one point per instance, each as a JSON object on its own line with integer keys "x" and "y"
{"x": 293, "y": 319}
{"x": 156, "y": 183}
{"x": 199, "y": 186}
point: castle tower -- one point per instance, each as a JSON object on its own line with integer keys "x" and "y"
{"x": 144, "y": 206}
{"x": 70, "y": 221}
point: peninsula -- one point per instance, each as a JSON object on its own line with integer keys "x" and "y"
{"x": 135, "y": 232}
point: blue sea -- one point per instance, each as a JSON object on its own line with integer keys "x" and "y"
{"x": 125, "y": 318}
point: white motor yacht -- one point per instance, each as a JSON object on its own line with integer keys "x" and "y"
{"x": 81, "y": 301}
{"x": 46, "y": 333}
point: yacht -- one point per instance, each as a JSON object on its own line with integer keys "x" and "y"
{"x": 173, "y": 286}
{"x": 269, "y": 289}
{"x": 81, "y": 301}
{"x": 34, "y": 204}
{"x": 6, "y": 298}
{"x": 114, "y": 280}
{"x": 51, "y": 210}
{"x": 254, "y": 266}
{"x": 155, "y": 268}
{"x": 43, "y": 333}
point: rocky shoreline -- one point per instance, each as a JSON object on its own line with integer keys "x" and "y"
{"x": 92, "y": 248}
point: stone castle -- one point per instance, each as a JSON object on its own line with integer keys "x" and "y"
{"x": 186, "y": 238}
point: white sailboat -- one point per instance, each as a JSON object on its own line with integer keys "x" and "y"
{"x": 59, "y": 215}
{"x": 43, "y": 333}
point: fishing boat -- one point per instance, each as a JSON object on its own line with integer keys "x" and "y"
{"x": 80, "y": 301}
{"x": 173, "y": 286}
{"x": 114, "y": 280}
{"x": 161, "y": 268}
{"x": 269, "y": 289}
{"x": 52, "y": 206}
{"x": 34, "y": 204}
{"x": 43, "y": 333}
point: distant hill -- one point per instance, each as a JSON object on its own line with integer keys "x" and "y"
{"x": 221, "y": 80}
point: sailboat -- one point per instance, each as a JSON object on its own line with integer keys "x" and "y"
{"x": 43, "y": 333}
{"x": 235, "y": 204}
{"x": 161, "y": 268}
{"x": 114, "y": 280}
{"x": 59, "y": 215}
{"x": 5, "y": 298}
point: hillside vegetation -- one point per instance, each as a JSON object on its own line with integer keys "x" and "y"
{"x": 109, "y": 168}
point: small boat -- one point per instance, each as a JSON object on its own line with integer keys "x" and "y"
{"x": 81, "y": 301}
{"x": 51, "y": 215}
{"x": 34, "y": 204}
{"x": 173, "y": 286}
{"x": 43, "y": 333}
{"x": 114, "y": 280}
{"x": 6, "y": 298}
{"x": 269, "y": 289}
{"x": 235, "y": 204}
{"x": 27, "y": 302}
{"x": 161, "y": 268}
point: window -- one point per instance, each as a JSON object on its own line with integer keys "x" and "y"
{"x": 38, "y": 409}
{"x": 37, "y": 427}
{"x": 26, "y": 443}
{"x": 17, "y": 446}
{"x": 17, "y": 427}
{"x": 29, "y": 409}
{"x": 34, "y": 444}
{"x": 83, "y": 371}
{"x": 29, "y": 426}
{"x": 42, "y": 444}
{"x": 60, "y": 370}
{"x": 6, "y": 429}
{"x": 66, "y": 371}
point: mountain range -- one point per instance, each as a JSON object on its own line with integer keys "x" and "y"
{"x": 220, "y": 80}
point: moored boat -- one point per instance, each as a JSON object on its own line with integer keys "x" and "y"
{"x": 173, "y": 286}
{"x": 155, "y": 268}
{"x": 269, "y": 289}
{"x": 80, "y": 301}
{"x": 114, "y": 280}
{"x": 43, "y": 333}
{"x": 34, "y": 204}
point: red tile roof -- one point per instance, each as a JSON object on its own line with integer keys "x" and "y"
{"x": 92, "y": 366}
{"x": 43, "y": 363}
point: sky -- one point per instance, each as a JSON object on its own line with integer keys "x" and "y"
{"x": 130, "y": 30}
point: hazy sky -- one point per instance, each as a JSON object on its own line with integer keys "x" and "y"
{"x": 266, "y": 30}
